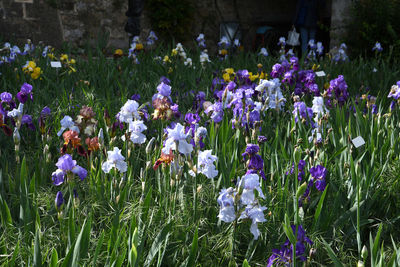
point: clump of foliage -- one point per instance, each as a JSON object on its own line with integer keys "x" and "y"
{"x": 170, "y": 18}
{"x": 374, "y": 21}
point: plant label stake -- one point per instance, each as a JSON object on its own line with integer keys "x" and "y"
{"x": 358, "y": 141}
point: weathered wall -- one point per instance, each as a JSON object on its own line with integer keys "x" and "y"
{"x": 339, "y": 19}
{"x": 79, "y": 21}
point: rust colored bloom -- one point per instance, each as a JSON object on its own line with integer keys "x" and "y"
{"x": 164, "y": 158}
{"x": 93, "y": 144}
{"x": 71, "y": 137}
{"x": 71, "y": 141}
{"x": 5, "y": 128}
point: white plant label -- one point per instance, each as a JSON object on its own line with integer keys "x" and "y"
{"x": 55, "y": 64}
{"x": 320, "y": 73}
{"x": 358, "y": 141}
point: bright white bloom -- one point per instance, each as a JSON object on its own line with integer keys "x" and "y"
{"x": 311, "y": 44}
{"x": 236, "y": 42}
{"x": 377, "y": 47}
{"x": 226, "y": 202}
{"x": 16, "y": 112}
{"x": 282, "y": 41}
{"x": 136, "y": 128}
{"x": 129, "y": 111}
{"x": 290, "y": 53}
{"x": 224, "y": 41}
{"x": 394, "y": 92}
{"x": 151, "y": 38}
{"x": 273, "y": 95}
{"x": 188, "y": 62}
{"x": 250, "y": 182}
{"x": 318, "y": 106}
{"x": 114, "y": 160}
{"x": 177, "y": 135}
{"x": 200, "y": 37}
{"x": 263, "y": 52}
{"x": 256, "y": 214}
{"x": 67, "y": 123}
{"x": 205, "y": 164}
{"x": 320, "y": 48}
{"x": 201, "y": 132}
{"x": 204, "y": 57}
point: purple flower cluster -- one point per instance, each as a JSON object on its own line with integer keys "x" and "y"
{"x": 318, "y": 174}
{"x": 255, "y": 164}
{"x": 301, "y": 171}
{"x": 284, "y": 256}
{"x": 25, "y": 93}
{"x": 339, "y": 87}
{"x": 66, "y": 165}
{"x": 305, "y": 113}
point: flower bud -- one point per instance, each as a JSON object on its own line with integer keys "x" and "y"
{"x": 149, "y": 146}
{"x": 16, "y": 136}
{"x": 364, "y": 253}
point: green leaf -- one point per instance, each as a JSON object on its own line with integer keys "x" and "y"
{"x": 157, "y": 243}
{"x": 5, "y": 214}
{"x": 54, "y": 258}
{"x": 331, "y": 254}
{"x": 82, "y": 242}
{"x": 132, "y": 257}
{"x": 193, "y": 251}
{"x": 245, "y": 263}
{"x": 288, "y": 230}
{"x": 319, "y": 207}
{"x": 98, "y": 247}
{"x": 37, "y": 255}
{"x": 14, "y": 256}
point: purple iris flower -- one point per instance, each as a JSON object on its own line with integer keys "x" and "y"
{"x": 66, "y": 164}
{"x": 58, "y": 177}
{"x": 288, "y": 77}
{"x": 45, "y": 111}
{"x": 256, "y": 162}
{"x": 261, "y": 139}
{"x": 318, "y": 174}
{"x": 192, "y": 118}
{"x": 6, "y": 97}
{"x": 339, "y": 87}
{"x": 135, "y": 97}
{"x": 277, "y": 70}
{"x": 198, "y": 101}
{"x": 374, "y": 109}
{"x": 392, "y": 105}
{"x": 284, "y": 255}
{"x": 301, "y": 109}
{"x": 27, "y": 119}
{"x": 294, "y": 61}
{"x": 59, "y": 201}
{"x": 300, "y": 167}
{"x": 231, "y": 86}
{"x": 165, "y": 80}
{"x": 251, "y": 149}
{"x": 24, "y": 93}
{"x": 164, "y": 89}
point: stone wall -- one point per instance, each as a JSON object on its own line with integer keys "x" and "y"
{"x": 81, "y": 21}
